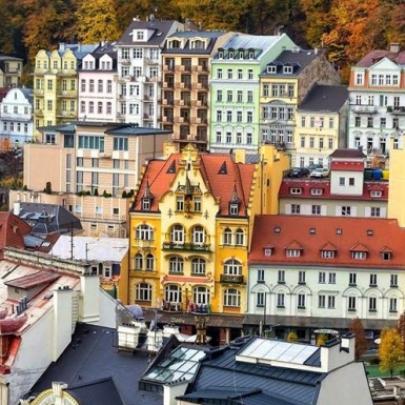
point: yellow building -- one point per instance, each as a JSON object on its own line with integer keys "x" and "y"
{"x": 190, "y": 226}
{"x": 55, "y": 83}
{"x": 321, "y": 125}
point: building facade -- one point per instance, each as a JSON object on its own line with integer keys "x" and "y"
{"x": 185, "y": 93}
{"x": 10, "y": 71}
{"x": 321, "y": 124}
{"x": 140, "y": 70}
{"x": 284, "y": 83}
{"x": 377, "y": 101}
{"x": 327, "y": 271}
{"x": 16, "y": 116}
{"x": 235, "y": 89}
{"x": 90, "y": 169}
{"x": 98, "y": 85}
{"x": 346, "y": 192}
{"x": 190, "y": 227}
{"x": 55, "y": 84}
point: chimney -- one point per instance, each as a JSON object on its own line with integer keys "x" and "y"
{"x": 16, "y": 208}
{"x": 90, "y": 290}
{"x": 395, "y": 47}
{"x": 63, "y": 320}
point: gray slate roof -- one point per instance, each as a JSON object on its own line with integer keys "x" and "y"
{"x": 160, "y": 28}
{"x": 212, "y": 35}
{"x": 327, "y": 98}
{"x": 91, "y": 357}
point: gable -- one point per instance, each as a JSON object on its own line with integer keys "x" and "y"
{"x": 385, "y": 64}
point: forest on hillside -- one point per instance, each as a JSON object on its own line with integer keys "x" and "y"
{"x": 348, "y": 29}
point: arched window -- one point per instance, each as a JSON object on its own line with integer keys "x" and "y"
{"x": 239, "y": 237}
{"x": 198, "y": 266}
{"x": 150, "y": 262}
{"x": 173, "y": 293}
{"x": 198, "y": 235}
{"x": 138, "y": 262}
{"x": 144, "y": 232}
{"x": 227, "y": 237}
{"x": 201, "y": 295}
{"x": 176, "y": 264}
{"x": 231, "y": 297}
{"x": 143, "y": 292}
{"x": 232, "y": 268}
{"x": 177, "y": 234}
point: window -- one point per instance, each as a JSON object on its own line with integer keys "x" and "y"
{"x": 301, "y": 301}
{"x": 260, "y": 299}
{"x": 150, "y": 262}
{"x": 219, "y": 115}
{"x": 393, "y": 305}
{"x": 177, "y": 234}
{"x": 357, "y": 122}
{"x": 372, "y": 304}
{"x": 197, "y": 204}
{"x": 332, "y": 278}
{"x": 316, "y": 210}
{"x": 352, "y": 279}
{"x": 352, "y": 304}
{"x": 295, "y": 190}
{"x": 230, "y": 74}
{"x": 201, "y": 295}
{"x": 239, "y": 237}
{"x": 322, "y": 277}
{"x": 358, "y": 255}
{"x": 143, "y": 292}
{"x": 250, "y": 74}
{"x": 280, "y": 300}
{"x": 351, "y": 181}
{"x": 394, "y": 280}
{"x": 229, "y": 96}
{"x": 321, "y": 301}
{"x": 250, "y": 96}
{"x": 375, "y": 211}
{"x": 219, "y": 74}
{"x": 260, "y": 276}
{"x": 144, "y": 232}
{"x": 180, "y": 203}
{"x": 227, "y": 237}
{"x": 233, "y": 209}
{"x": 231, "y": 297}
{"x": 295, "y": 209}
{"x": 173, "y": 294}
{"x": 198, "y": 235}
{"x": 328, "y": 254}
{"x": 373, "y": 280}
{"x": 293, "y": 252}
{"x": 232, "y": 268}
{"x": 176, "y": 265}
{"x": 301, "y": 277}
{"x": 281, "y": 276}
{"x": 198, "y": 266}
{"x": 345, "y": 211}
{"x": 138, "y": 262}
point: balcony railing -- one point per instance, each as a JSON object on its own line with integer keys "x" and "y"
{"x": 365, "y": 109}
{"x": 396, "y": 110}
{"x": 231, "y": 279}
{"x": 190, "y": 247}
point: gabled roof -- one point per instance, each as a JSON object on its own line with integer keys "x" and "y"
{"x": 12, "y": 231}
{"x": 160, "y": 174}
{"x": 212, "y": 37}
{"x": 345, "y": 233}
{"x": 375, "y": 56}
{"x": 327, "y": 98}
{"x": 347, "y": 154}
{"x": 329, "y": 246}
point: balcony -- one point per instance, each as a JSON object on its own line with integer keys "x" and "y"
{"x": 231, "y": 279}
{"x": 202, "y": 85}
{"x": 396, "y": 110}
{"x": 39, "y": 92}
{"x": 168, "y": 68}
{"x": 67, "y": 93}
{"x": 66, "y": 114}
{"x": 186, "y": 247}
{"x": 365, "y": 109}
{"x": 167, "y": 119}
{"x": 144, "y": 243}
{"x": 125, "y": 61}
{"x": 168, "y": 85}
{"x": 39, "y": 113}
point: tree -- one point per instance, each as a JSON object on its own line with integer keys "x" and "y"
{"x": 292, "y": 337}
{"x": 97, "y": 21}
{"x": 390, "y": 351}
{"x": 401, "y": 328}
{"x": 356, "y": 327}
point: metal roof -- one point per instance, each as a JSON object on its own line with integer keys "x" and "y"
{"x": 326, "y": 98}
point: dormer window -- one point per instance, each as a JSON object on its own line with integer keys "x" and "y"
{"x": 328, "y": 254}
{"x": 198, "y": 44}
{"x": 174, "y": 43}
{"x": 386, "y": 254}
{"x": 234, "y": 209}
{"x": 140, "y": 35}
{"x": 146, "y": 203}
{"x": 230, "y": 54}
{"x": 241, "y": 54}
{"x": 251, "y": 54}
{"x": 316, "y": 191}
{"x": 221, "y": 54}
{"x": 295, "y": 190}
{"x": 287, "y": 70}
{"x": 359, "y": 255}
{"x": 272, "y": 69}
{"x": 293, "y": 252}
{"x": 268, "y": 250}
{"x": 375, "y": 193}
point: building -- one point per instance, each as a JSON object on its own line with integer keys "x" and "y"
{"x": 42, "y": 299}
{"x": 377, "y": 101}
{"x": 326, "y": 272}
{"x": 190, "y": 227}
{"x": 284, "y": 83}
{"x": 93, "y": 371}
{"x": 12, "y": 231}
{"x": 107, "y": 257}
{"x": 10, "y": 71}
{"x": 56, "y": 84}
{"x": 253, "y": 370}
{"x": 321, "y": 125}
{"x": 350, "y": 190}
{"x": 90, "y": 169}
{"x": 16, "y": 116}
{"x": 140, "y": 70}
{"x": 185, "y": 95}
{"x": 235, "y": 89}
{"x": 98, "y": 85}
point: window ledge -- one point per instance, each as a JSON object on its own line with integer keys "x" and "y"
{"x": 352, "y": 309}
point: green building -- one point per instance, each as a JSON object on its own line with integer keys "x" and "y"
{"x": 235, "y": 89}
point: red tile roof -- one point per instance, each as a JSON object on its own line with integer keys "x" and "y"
{"x": 160, "y": 174}
{"x": 347, "y": 154}
{"x": 374, "y": 56}
{"x": 361, "y": 234}
{"x": 308, "y": 184}
{"x": 12, "y": 231}
{"x": 33, "y": 280}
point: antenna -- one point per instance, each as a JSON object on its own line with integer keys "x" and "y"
{"x": 71, "y": 241}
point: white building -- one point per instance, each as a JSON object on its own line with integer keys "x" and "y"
{"x": 321, "y": 272}
{"x": 140, "y": 70}
{"x": 16, "y": 116}
{"x": 98, "y": 85}
{"x": 41, "y": 300}
{"x": 377, "y": 101}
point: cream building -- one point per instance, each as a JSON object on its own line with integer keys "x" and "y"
{"x": 10, "y": 71}
{"x": 91, "y": 169}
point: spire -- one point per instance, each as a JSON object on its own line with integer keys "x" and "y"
{"x": 235, "y": 198}
{"x": 147, "y": 194}
{"x": 188, "y": 189}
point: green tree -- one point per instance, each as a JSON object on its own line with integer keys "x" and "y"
{"x": 391, "y": 350}
{"x": 97, "y": 21}
{"x": 356, "y": 327}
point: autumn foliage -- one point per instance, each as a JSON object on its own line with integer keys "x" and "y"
{"x": 391, "y": 350}
{"x": 356, "y": 327}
